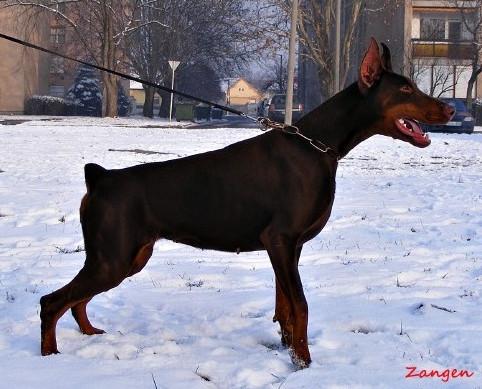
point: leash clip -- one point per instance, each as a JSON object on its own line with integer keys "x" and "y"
{"x": 290, "y": 129}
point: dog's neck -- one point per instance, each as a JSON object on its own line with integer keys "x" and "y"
{"x": 341, "y": 122}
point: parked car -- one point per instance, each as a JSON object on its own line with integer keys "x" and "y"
{"x": 462, "y": 122}
{"x": 276, "y": 108}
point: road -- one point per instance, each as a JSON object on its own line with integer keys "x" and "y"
{"x": 230, "y": 121}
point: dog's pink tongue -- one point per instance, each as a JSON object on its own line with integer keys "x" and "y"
{"x": 418, "y": 133}
{"x": 415, "y": 127}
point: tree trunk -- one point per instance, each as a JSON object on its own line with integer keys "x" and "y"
{"x": 470, "y": 87}
{"x": 165, "y": 103}
{"x": 109, "y": 101}
{"x": 327, "y": 84}
{"x": 148, "y": 108}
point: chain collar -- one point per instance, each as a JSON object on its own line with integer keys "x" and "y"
{"x": 266, "y": 124}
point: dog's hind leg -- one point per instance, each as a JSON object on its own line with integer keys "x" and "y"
{"x": 91, "y": 280}
{"x": 79, "y": 312}
{"x": 141, "y": 258}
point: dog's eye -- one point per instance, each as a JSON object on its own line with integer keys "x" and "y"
{"x": 406, "y": 89}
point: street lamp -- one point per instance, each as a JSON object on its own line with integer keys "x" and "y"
{"x": 337, "y": 45}
{"x": 291, "y": 64}
{"x": 173, "y": 65}
{"x": 281, "y": 89}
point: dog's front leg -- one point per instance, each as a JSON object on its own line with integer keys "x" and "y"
{"x": 284, "y": 256}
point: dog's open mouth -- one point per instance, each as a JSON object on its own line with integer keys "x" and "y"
{"x": 411, "y": 128}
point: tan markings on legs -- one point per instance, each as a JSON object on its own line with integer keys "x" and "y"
{"x": 141, "y": 258}
{"x": 79, "y": 312}
{"x": 283, "y": 316}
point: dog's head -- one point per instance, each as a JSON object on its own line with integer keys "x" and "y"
{"x": 400, "y": 103}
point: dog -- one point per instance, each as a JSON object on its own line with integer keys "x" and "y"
{"x": 273, "y": 192}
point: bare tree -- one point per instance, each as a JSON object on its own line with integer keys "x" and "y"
{"x": 444, "y": 79}
{"x": 436, "y": 76}
{"x": 271, "y": 75}
{"x": 470, "y": 14}
{"x": 218, "y": 34}
{"x": 316, "y": 29}
{"x": 97, "y": 27}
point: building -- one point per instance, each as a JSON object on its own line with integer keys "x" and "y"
{"x": 22, "y": 69}
{"x": 242, "y": 93}
{"x": 138, "y": 97}
{"x": 27, "y": 72}
{"x": 427, "y": 39}
{"x": 442, "y": 48}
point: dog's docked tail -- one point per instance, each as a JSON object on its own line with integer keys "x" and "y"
{"x": 93, "y": 173}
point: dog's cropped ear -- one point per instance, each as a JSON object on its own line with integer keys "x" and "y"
{"x": 370, "y": 68}
{"x": 386, "y": 58}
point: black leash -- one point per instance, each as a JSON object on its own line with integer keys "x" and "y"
{"x": 152, "y": 84}
{"x": 264, "y": 123}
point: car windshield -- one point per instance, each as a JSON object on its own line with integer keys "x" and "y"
{"x": 457, "y": 104}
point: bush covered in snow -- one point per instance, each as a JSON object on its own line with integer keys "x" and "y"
{"x": 86, "y": 92}
{"x": 48, "y": 105}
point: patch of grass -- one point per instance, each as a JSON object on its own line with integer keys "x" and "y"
{"x": 203, "y": 376}
{"x": 64, "y": 250}
{"x": 194, "y": 284}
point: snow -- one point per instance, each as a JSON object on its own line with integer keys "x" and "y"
{"x": 404, "y": 241}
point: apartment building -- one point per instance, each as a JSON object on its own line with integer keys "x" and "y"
{"x": 442, "y": 47}
{"x": 21, "y": 69}
{"x": 428, "y": 39}
{"x": 26, "y": 72}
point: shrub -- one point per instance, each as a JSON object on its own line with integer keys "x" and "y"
{"x": 86, "y": 92}
{"x": 48, "y": 105}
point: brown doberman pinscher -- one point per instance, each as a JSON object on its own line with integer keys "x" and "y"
{"x": 273, "y": 192}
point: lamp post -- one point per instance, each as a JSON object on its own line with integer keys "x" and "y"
{"x": 280, "y": 73}
{"x": 291, "y": 64}
{"x": 173, "y": 65}
{"x": 337, "y": 46}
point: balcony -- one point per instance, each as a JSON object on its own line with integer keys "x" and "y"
{"x": 442, "y": 48}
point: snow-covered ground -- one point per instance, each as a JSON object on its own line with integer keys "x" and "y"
{"x": 394, "y": 280}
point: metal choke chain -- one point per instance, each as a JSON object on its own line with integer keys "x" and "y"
{"x": 266, "y": 124}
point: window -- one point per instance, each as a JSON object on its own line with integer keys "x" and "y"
{"x": 455, "y": 30}
{"x": 432, "y": 29}
{"x": 56, "y": 90}
{"x": 57, "y": 35}
{"x": 57, "y": 65}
